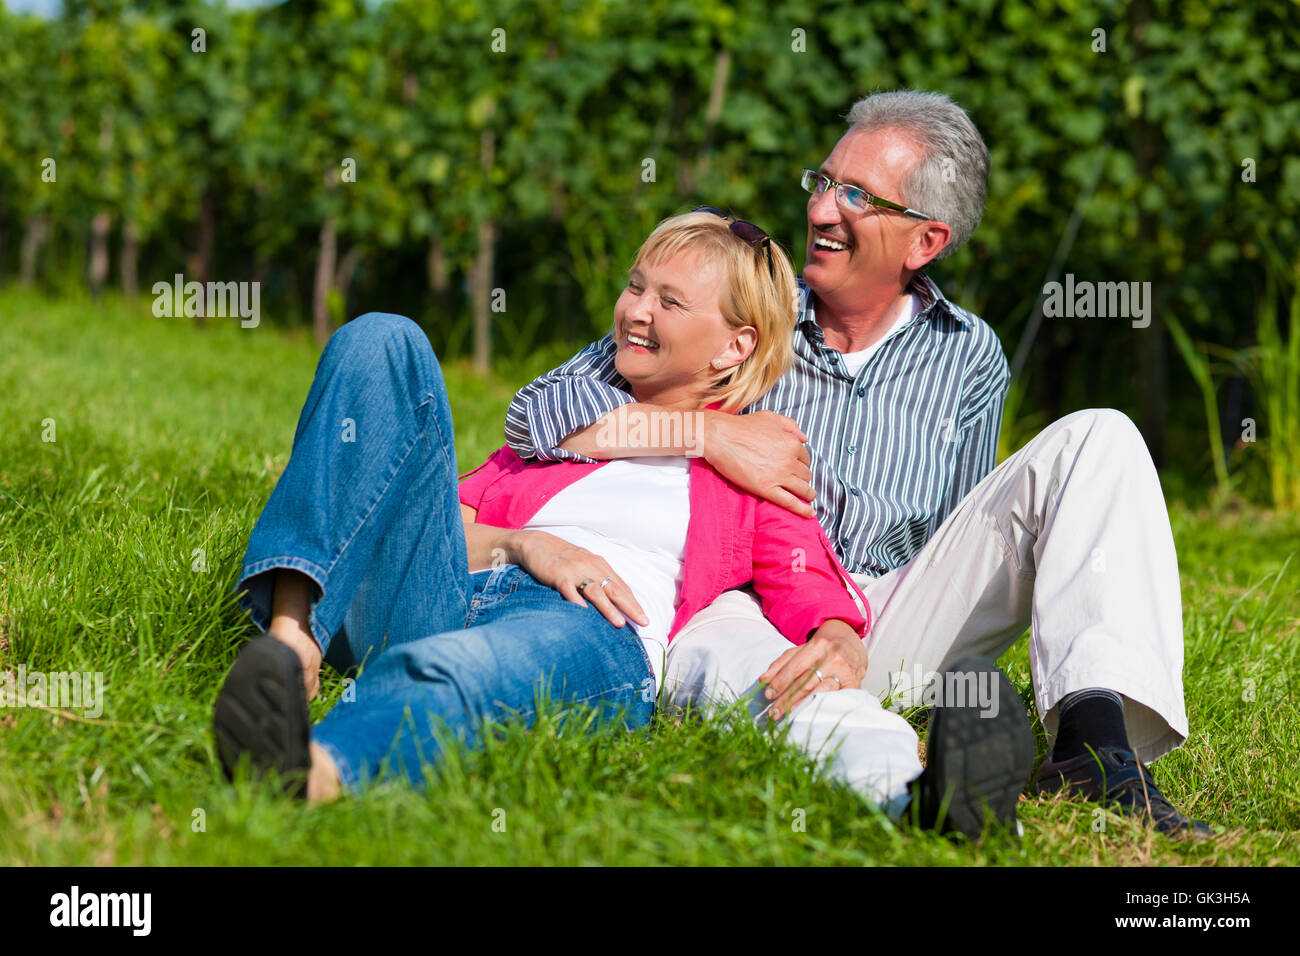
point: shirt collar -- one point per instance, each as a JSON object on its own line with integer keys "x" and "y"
{"x": 922, "y": 286}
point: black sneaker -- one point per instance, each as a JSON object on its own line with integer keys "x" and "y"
{"x": 1116, "y": 778}
{"x": 262, "y": 712}
{"x": 978, "y": 757}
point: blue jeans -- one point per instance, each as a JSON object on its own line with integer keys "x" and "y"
{"x": 367, "y": 509}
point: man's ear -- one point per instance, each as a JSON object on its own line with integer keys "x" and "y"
{"x": 930, "y": 240}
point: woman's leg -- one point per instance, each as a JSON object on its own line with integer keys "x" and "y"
{"x": 291, "y": 623}
{"x": 524, "y": 641}
{"x": 361, "y": 540}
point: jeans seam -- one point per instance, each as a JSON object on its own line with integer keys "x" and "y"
{"x": 644, "y": 653}
{"x": 429, "y": 399}
{"x": 290, "y": 561}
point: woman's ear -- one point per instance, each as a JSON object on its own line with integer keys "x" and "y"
{"x": 742, "y": 344}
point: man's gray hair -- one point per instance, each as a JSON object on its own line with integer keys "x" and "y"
{"x": 952, "y": 179}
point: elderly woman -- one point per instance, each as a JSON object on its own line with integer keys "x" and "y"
{"x": 466, "y": 602}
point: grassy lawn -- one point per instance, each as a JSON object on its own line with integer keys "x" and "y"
{"x": 120, "y": 542}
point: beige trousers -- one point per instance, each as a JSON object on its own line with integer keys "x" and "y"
{"x": 1068, "y": 537}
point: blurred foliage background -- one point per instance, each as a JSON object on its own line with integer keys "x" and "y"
{"x": 416, "y": 156}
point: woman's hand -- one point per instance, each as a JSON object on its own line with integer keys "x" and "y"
{"x": 835, "y": 649}
{"x": 563, "y": 566}
{"x": 553, "y": 562}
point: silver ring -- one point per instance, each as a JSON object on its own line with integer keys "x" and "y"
{"x": 820, "y": 675}
{"x": 585, "y": 583}
{"x": 837, "y": 680}
{"x": 605, "y": 582}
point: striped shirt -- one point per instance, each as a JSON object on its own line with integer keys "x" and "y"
{"x": 893, "y": 449}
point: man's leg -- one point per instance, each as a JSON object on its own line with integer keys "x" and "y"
{"x": 1070, "y": 535}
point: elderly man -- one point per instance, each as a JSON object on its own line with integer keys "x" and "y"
{"x": 898, "y": 394}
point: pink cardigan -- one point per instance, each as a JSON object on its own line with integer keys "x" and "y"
{"x": 732, "y": 538}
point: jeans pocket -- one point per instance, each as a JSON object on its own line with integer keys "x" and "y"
{"x": 496, "y": 586}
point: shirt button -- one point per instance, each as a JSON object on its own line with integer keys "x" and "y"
{"x": 862, "y": 390}
{"x": 844, "y": 543}
{"x": 852, "y": 449}
{"x": 853, "y": 492}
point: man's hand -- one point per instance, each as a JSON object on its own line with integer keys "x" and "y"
{"x": 764, "y": 454}
{"x": 563, "y": 566}
{"x": 835, "y": 649}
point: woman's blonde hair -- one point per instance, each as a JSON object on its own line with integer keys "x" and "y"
{"x": 749, "y": 297}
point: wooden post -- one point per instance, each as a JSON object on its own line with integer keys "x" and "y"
{"x": 1152, "y": 383}
{"x": 483, "y": 266}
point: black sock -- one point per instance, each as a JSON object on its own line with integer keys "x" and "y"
{"x": 1089, "y": 718}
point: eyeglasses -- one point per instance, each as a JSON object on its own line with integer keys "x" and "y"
{"x": 752, "y": 234}
{"x": 851, "y": 197}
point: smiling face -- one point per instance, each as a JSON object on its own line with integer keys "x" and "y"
{"x": 669, "y": 329}
{"x": 850, "y": 254}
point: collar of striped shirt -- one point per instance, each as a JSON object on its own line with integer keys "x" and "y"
{"x": 922, "y": 286}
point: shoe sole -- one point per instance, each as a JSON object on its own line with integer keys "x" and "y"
{"x": 261, "y": 714}
{"x": 977, "y": 763}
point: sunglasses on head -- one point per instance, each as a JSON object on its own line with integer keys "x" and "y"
{"x": 752, "y": 234}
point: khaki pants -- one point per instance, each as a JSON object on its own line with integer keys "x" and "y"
{"x": 1069, "y": 537}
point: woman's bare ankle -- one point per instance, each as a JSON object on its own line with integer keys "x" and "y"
{"x": 291, "y": 624}
{"x": 309, "y": 655}
{"x": 323, "y": 783}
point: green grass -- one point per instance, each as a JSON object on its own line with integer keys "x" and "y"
{"x": 120, "y": 543}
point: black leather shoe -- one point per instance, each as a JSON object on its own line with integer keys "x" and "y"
{"x": 262, "y": 712}
{"x": 1116, "y": 778}
{"x": 978, "y": 757}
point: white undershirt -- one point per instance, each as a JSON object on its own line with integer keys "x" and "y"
{"x": 633, "y": 513}
{"x": 854, "y": 361}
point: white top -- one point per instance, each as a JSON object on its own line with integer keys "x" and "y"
{"x": 854, "y": 361}
{"x": 633, "y": 513}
